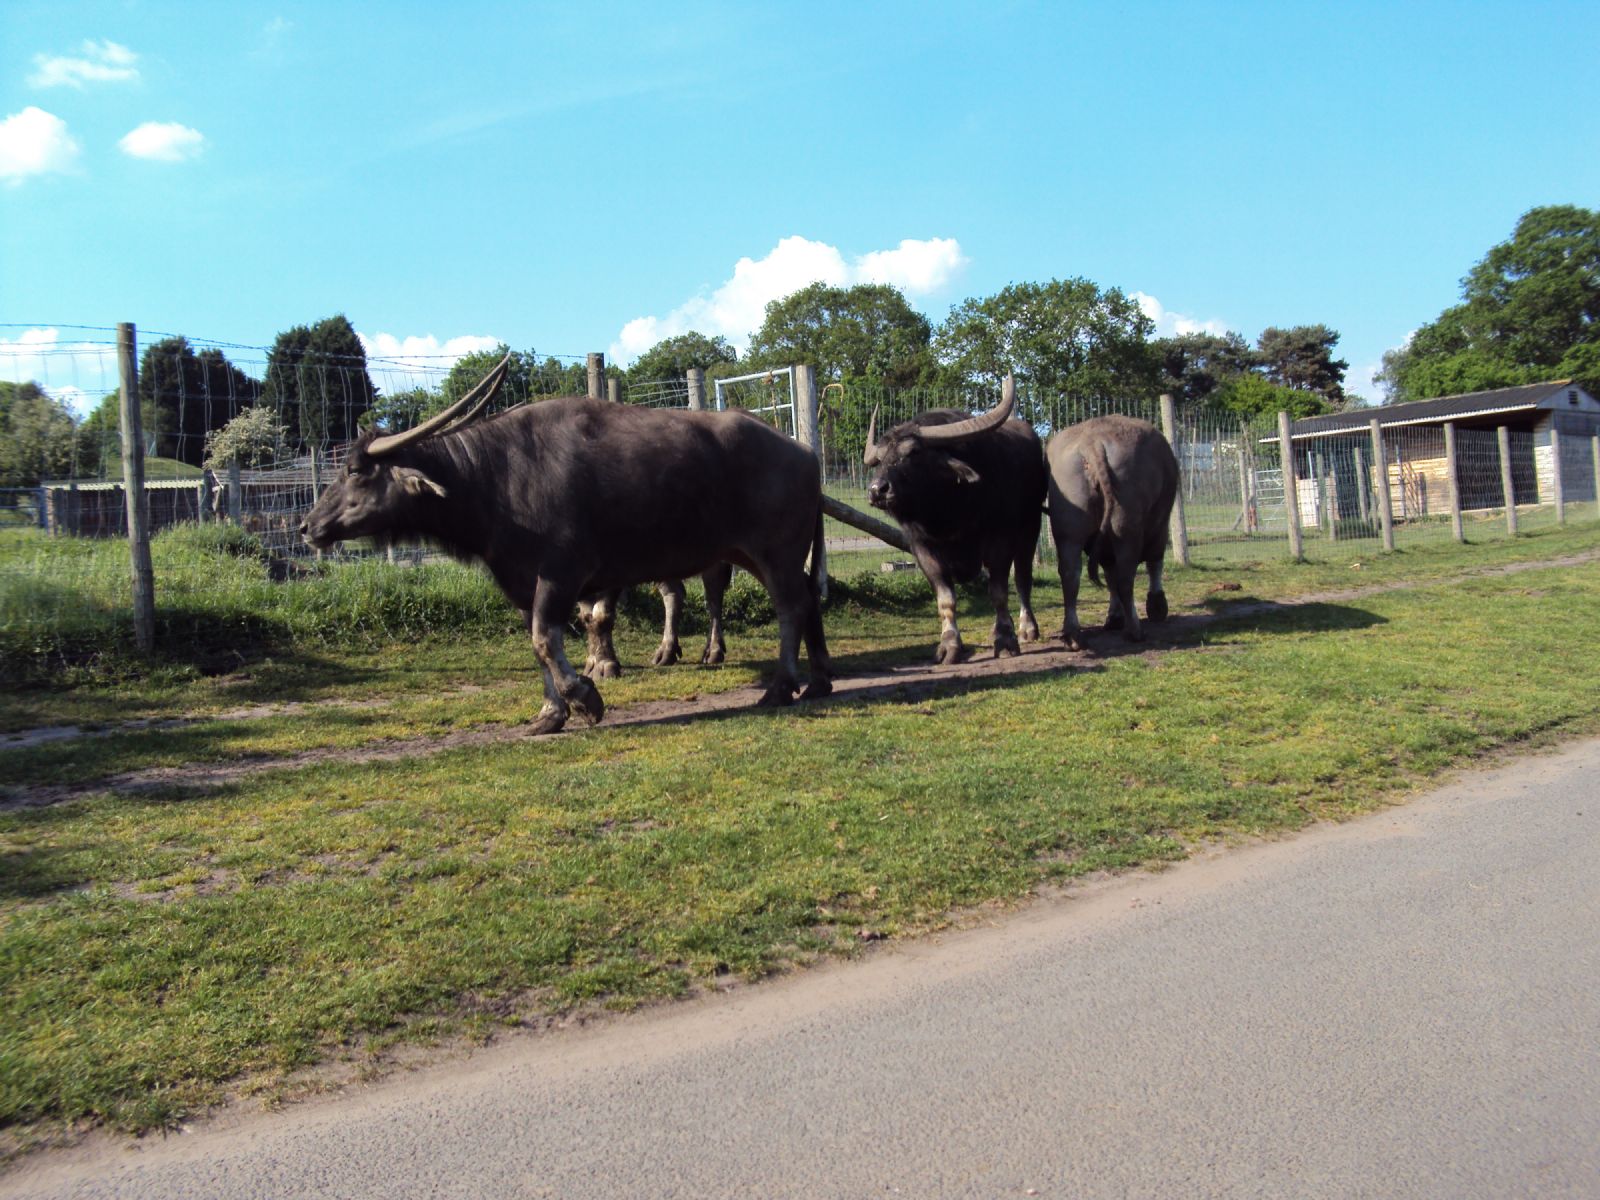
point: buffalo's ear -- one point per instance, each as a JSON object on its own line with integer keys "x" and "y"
{"x": 963, "y": 473}
{"x": 906, "y": 446}
{"x": 416, "y": 483}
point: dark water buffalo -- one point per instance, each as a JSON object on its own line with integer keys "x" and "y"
{"x": 599, "y": 619}
{"x": 572, "y": 500}
{"x": 1113, "y": 481}
{"x": 968, "y": 491}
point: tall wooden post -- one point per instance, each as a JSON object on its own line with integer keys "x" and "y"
{"x": 1594, "y": 449}
{"x": 697, "y": 388}
{"x": 1245, "y": 516}
{"x": 1380, "y": 473}
{"x": 235, "y": 493}
{"x": 597, "y": 376}
{"x": 807, "y": 434}
{"x": 1291, "y": 493}
{"x": 1555, "y": 476}
{"x": 1507, "y": 488}
{"x": 1452, "y": 468}
{"x": 1180, "y": 526}
{"x": 613, "y": 389}
{"x": 144, "y": 578}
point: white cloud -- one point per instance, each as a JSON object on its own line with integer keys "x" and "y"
{"x": 34, "y": 142}
{"x": 102, "y": 62}
{"x": 1171, "y": 324}
{"x": 398, "y": 363}
{"x": 163, "y": 141}
{"x": 737, "y": 307}
{"x": 76, "y": 373}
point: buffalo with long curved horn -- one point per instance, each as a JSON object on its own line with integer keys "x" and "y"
{"x": 969, "y": 492}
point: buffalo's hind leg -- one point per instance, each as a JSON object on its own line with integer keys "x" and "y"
{"x": 1070, "y": 566}
{"x": 716, "y": 582}
{"x": 1004, "y": 634}
{"x": 672, "y": 614}
{"x": 1155, "y": 600}
{"x": 599, "y": 619}
{"x": 820, "y": 683}
{"x": 565, "y": 690}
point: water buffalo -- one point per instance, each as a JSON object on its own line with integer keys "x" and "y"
{"x": 571, "y": 500}
{"x": 969, "y": 492}
{"x": 1113, "y": 481}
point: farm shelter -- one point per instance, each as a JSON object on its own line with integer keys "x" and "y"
{"x": 1333, "y": 453}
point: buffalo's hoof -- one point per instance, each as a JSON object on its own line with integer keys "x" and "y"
{"x": 666, "y": 654}
{"x": 1073, "y": 639}
{"x": 1005, "y": 645}
{"x": 549, "y": 720}
{"x": 951, "y": 653}
{"x": 713, "y": 655}
{"x": 1114, "y": 620}
{"x": 1155, "y": 606}
{"x": 585, "y": 701}
{"x": 817, "y": 688}
{"x": 779, "y": 695}
{"x": 1029, "y": 631}
{"x": 1133, "y": 634}
{"x": 604, "y": 668}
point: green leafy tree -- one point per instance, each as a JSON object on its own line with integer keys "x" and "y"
{"x": 1253, "y": 396}
{"x": 865, "y": 331}
{"x": 38, "y": 436}
{"x": 403, "y": 409}
{"x": 252, "y": 438}
{"x": 1301, "y": 358}
{"x": 1529, "y": 311}
{"x": 317, "y": 381}
{"x": 184, "y": 395}
{"x": 1195, "y": 365}
{"x": 1065, "y": 337}
{"x": 470, "y": 370}
{"x": 672, "y": 357}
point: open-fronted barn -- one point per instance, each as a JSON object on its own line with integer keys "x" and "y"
{"x": 1334, "y": 464}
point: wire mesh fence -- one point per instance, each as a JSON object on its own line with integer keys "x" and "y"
{"x": 59, "y": 563}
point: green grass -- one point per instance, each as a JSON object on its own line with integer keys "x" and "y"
{"x": 161, "y": 951}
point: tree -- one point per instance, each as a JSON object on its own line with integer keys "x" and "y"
{"x": 672, "y": 357}
{"x": 183, "y": 396}
{"x": 1195, "y": 365}
{"x": 1529, "y": 311}
{"x": 1065, "y": 336}
{"x": 1301, "y": 358}
{"x": 38, "y": 436}
{"x": 317, "y": 381}
{"x": 865, "y": 331}
{"x": 1252, "y": 395}
{"x": 470, "y": 369}
{"x": 252, "y": 438}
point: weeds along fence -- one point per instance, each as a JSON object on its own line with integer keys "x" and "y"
{"x": 223, "y": 522}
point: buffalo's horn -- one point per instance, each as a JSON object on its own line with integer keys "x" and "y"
{"x": 992, "y": 419}
{"x": 465, "y": 409}
{"x": 871, "y": 456}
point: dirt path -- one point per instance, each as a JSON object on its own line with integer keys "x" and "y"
{"x": 908, "y": 682}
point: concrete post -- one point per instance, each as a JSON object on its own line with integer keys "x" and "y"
{"x": 1452, "y": 469}
{"x": 1179, "y": 526}
{"x": 144, "y": 579}
{"x": 1291, "y": 497}
{"x": 1507, "y": 488}
{"x": 1380, "y": 471}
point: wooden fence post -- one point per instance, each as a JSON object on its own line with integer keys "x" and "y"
{"x": 1594, "y": 448}
{"x": 805, "y": 432}
{"x": 1291, "y": 493}
{"x": 1555, "y": 475}
{"x": 1380, "y": 466}
{"x": 144, "y": 579}
{"x": 1507, "y": 488}
{"x": 597, "y": 376}
{"x": 1452, "y": 470}
{"x": 1180, "y": 527}
{"x": 697, "y": 389}
{"x": 235, "y": 493}
{"x": 613, "y": 389}
{"x": 1246, "y": 517}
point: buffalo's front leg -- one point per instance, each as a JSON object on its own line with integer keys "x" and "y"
{"x": 1004, "y": 635}
{"x": 565, "y": 690}
{"x": 672, "y": 614}
{"x": 599, "y": 619}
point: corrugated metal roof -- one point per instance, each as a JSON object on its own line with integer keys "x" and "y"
{"x": 1429, "y": 412}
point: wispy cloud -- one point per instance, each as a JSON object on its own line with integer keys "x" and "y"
{"x": 163, "y": 141}
{"x": 1171, "y": 324}
{"x": 100, "y": 62}
{"x": 600, "y": 90}
{"x": 736, "y": 308}
{"x": 398, "y": 363}
{"x": 34, "y": 142}
{"x": 76, "y": 373}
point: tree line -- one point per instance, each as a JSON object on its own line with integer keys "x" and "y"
{"x": 1530, "y": 311}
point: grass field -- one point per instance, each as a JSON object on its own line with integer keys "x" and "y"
{"x": 161, "y": 951}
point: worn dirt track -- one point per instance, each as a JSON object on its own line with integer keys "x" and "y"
{"x": 906, "y": 682}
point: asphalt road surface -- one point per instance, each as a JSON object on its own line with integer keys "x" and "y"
{"x": 1407, "y": 1005}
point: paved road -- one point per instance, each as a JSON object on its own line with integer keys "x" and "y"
{"x": 1408, "y": 1005}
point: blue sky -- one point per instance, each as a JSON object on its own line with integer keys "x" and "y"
{"x": 573, "y": 178}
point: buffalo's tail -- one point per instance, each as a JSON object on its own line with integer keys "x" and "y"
{"x": 1098, "y": 469}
